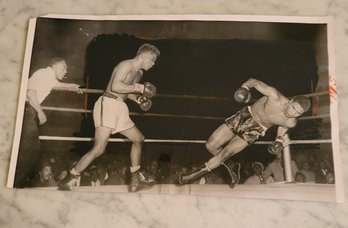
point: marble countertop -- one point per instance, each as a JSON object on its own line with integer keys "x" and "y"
{"x": 30, "y": 208}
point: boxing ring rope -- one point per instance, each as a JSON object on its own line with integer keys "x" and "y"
{"x": 79, "y": 110}
{"x": 88, "y": 139}
{"x": 286, "y": 150}
{"x": 98, "y": 91}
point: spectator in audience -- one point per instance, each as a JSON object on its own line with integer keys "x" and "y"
{"x": 300, "y": 177}
{"x": 172, "y": 178}
{"x": 330, "y": 177}
{"x": 257, "y": 178}
{"x": 115, "y": 177}
{"x": 95, "y": 177}
{"x": 164, "y": 167}
{"x": 61, "y": 175}
{"x": 276, "y": 169}
{"x": 321, "y": 172}
{"x": 45, "y": 177}
{"x": 153, "y": 172}
{"x": 307, "y": 172}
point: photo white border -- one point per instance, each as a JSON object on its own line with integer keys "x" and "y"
{"x": 195, "y": 17}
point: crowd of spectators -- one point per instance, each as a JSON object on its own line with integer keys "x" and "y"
{"x": 115, "y": 171}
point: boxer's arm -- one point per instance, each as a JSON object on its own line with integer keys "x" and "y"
{"x": 118, "y": 77}
{"x": 262, "y": 88}
{"x": 134, "y": 97}
{"x": 280, "y": 142}
{"x": 281, "y": 132}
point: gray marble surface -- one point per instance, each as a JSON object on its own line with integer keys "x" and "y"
{"x": 29, "y": 208}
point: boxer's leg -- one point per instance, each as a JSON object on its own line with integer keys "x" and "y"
{"x": 102, "y": 135}
{"x": 139, "y": 178}
{"x": 220, "y": 137}
{"x": 101, "y": 138}
{"x": 235, "y": 145}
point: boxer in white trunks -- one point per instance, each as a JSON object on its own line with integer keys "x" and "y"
{"x": 111, "y": 116}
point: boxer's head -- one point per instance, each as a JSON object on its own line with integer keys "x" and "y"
{"x": 297, "y": 106}
{"x": 149, "y": 53}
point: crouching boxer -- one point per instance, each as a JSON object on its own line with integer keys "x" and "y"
{"x": 111, "y": 116}
{"x": 247, "y": 125}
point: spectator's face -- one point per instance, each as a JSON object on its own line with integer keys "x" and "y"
{"x": 299, "y": 177}
{"x": 306, "y": 166}
{"x": 279, "y": 155}
{"x": 46, "y": 173}
{"x": 63, "y": 174}
{"x": 257, "y": 170}
{"x": 154, "y": 167}
{"x": 330, "y": 178}
{"x": 94, "y": 174}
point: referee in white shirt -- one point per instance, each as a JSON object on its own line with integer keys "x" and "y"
{"x": 40, "y": 86}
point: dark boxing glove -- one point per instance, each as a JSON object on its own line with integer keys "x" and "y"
{"x": 276, "y": 147}
{"x": 144, "y": 103}
{"x": 242, "y": 95}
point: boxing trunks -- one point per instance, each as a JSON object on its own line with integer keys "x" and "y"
{"x": 244, "y": 125}
{"x": 112, "y": 112}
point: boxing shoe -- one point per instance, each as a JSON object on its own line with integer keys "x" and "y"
{"x": 185, "y": 178}
{"x": 140, "y": 181}
{"x": 68, "y": 183}
{"x": 233, "y": 169}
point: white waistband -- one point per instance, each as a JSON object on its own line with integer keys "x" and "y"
{"x": 249, "y": 109}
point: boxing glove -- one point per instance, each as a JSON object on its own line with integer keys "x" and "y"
{"x": 276, "y": 147}
{"x": 242, "y": 95}
{"x": 144, "y": 103}
{"x": 147, "y": 89}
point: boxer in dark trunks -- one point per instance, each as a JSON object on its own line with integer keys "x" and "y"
{"x": 247, "y": 125}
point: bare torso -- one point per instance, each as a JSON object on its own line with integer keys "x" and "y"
{"x": 133, "y": 76}
{"x": 271, "y": 112}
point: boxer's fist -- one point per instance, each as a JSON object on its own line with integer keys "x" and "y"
{"x": 149, "y": 90}
{"x": 242, "y": 95}
{"x": 276, "y": 147}
{"x": 144, "y": 103}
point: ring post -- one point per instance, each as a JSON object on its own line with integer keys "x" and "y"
{"x": 287, "y": 161}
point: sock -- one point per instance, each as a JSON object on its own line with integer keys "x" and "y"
{"x": 135, "y": 168}
{"x": 74, "y": 172}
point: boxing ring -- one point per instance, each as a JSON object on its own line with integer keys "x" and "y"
{"x": 279, "y": 190}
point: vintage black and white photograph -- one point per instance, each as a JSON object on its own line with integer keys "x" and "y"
{"x": 227, "y": 106}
